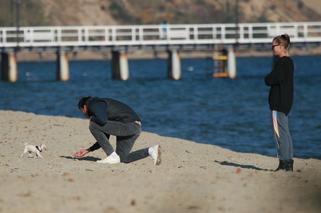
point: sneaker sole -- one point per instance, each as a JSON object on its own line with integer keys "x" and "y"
{"x": 159, "y": 160}
{"x": 107, "y": 162}
{"x": 102, "y": 162}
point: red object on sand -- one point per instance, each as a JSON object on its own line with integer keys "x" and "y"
{"x": 238, "y": 170}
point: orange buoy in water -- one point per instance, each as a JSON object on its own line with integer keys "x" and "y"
{"x": 220, "y": 75}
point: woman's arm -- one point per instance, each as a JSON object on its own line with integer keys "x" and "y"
{"x": 276, "y": 76}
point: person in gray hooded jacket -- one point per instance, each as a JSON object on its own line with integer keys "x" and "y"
{"x": 112, "y": 117}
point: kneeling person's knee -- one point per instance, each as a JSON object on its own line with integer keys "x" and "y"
{"x": 123, "y": 158}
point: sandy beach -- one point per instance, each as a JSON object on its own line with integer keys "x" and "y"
{"x": 193, "y": 177}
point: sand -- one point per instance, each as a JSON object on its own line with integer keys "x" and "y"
{"x": 192, "y": 177}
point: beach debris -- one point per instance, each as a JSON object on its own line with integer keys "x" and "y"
{"x": 70, "y": 179}
{"x": 65, "y": 174}
{"x": 238, "y": 171}
{"x": 67, "y": 177}
{"x": 133, "y": 202}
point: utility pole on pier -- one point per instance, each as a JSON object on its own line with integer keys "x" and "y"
{"x": 17, "y": 2}
{"x": 237, "y": 21}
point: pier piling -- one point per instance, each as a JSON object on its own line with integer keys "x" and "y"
{"x": 62, "y": 66}
{"x": 9, "y": 69}
{"x": 120, "y": 66}
{"x": 231, "y": 63}
{"x": 174, "y": 65}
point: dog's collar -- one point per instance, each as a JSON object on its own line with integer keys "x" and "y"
{"x": 39, "y": 149}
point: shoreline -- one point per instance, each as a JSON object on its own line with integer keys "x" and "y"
{"x": 140, "y": 54}
{"x": 193, "y": 177}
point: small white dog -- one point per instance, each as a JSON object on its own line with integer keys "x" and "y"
{"x": 32, "y": 149}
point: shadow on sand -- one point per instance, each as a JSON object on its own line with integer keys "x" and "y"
{"x": 87, "y": 158}
{"x": 244, "y": 166}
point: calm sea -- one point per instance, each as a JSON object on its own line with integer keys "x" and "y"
{"x": 233, "y": 114}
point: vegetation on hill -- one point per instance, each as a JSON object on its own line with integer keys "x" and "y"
{"x": 102, "y": 12}
{"x": 30, "y": 13}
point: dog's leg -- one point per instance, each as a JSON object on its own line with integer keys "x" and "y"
{"x": 38, "y": 154}
{"x": 24, "y": 152}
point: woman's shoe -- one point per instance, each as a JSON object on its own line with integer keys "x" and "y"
{"x": 281, "y": 165}
{"x": 289, "y": 165}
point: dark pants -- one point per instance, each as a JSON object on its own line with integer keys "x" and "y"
{"x": 126, "y": 134}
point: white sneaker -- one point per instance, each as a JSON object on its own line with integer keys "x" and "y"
{"x": 113, "y": 158}
{"x": 155, "y": 153}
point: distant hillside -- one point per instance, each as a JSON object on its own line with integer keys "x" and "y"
{"x": 104, "y": 12}
{"x": 31, "y": 13}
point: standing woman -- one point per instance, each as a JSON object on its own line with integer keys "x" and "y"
{"x": 280, "y": 81}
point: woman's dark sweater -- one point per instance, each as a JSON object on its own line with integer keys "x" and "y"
{"x": 281, "y": 82}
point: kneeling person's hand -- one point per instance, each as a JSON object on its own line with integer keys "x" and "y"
{"x": 82, "y": 152}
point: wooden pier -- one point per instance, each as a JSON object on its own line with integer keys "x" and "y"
{"x": 119, "y": 40}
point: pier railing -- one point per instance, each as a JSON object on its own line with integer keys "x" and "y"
{"x": 163, "y": 34}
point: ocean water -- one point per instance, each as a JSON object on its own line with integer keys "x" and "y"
{"x": 233, "y": 114}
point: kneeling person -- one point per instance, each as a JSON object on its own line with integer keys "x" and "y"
{"x": 112, "y": 117}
